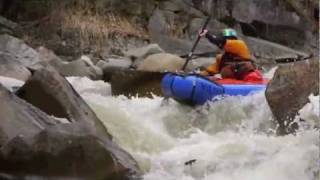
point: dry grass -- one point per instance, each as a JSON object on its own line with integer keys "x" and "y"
{"x": 93, "y": 26}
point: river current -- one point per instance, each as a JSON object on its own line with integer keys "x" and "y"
{"x": 232, "y": 139}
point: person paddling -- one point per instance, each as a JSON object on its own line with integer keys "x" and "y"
{"x": 235, "y": 61}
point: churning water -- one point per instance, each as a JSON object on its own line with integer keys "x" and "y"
{"x": 233, "y": 139}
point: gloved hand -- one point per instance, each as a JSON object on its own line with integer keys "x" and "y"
{"x": 203, "y": 32}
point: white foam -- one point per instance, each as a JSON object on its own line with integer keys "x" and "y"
{"x": 84, "y": 85}
{"x": 229, "y": 140}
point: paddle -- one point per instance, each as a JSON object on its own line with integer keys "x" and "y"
{"x": 189, "y": 57}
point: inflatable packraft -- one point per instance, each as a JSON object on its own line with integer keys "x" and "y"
{"x": 196, "y": 90}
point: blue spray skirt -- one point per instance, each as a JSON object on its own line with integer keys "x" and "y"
{"x": 196, "y": 89}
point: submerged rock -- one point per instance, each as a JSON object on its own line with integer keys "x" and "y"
{"x": 289, "y": 90}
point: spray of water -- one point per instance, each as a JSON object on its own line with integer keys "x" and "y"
{"x": 225, "y": 140}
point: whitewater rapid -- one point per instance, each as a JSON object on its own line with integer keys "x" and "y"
{"x": 233, "y": 139}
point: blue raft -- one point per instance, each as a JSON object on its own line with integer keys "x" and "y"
{"x": 196, "y": 90}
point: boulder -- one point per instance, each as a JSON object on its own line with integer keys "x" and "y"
{"x": 180, "y": 6}
{"x": 111, "y": 65}
{"x": 289, "y": 90}
{"x": 161, "y": 62}
{"x": 34, "y": 144}
{"x": 19, "y": 51}
{"x": 265, "y": 52}
{"x": 214, "y": 26}
{"x": 66, "y": 151}
{"x": 52, "y": 93}
{"x": 138, "y": 54}
{"x": 160, "y": 34}
{"x": 11, "y": 68}
{"x": 47, "y": 54}
{"x": 136, "y": 83}
{"x": 9, "y": 27}
{"x": 19, "y": 118}
{"x": 288, "y": 26}
{"x": 82, "y": 67}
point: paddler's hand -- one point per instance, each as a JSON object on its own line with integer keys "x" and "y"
{"x": 203, "y": 33}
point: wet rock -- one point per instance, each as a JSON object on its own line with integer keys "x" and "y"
{"x": 20, "y": 51}
{"x": 136, "y": 83}
{"x": 14, "y": 69}
{"x": 289, "y": 90}
{"x": 67, "y": 151}
{"x": 51, "y": 93}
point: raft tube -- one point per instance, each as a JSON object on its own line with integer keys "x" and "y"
{"x": 196, "y": 90}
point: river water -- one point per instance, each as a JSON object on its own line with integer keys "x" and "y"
{"x": 231, "y": 139}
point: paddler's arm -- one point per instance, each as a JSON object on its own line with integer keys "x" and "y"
{"x": 218, "y": 41}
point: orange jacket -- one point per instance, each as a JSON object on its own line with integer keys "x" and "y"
{"x": 236, "y": 48}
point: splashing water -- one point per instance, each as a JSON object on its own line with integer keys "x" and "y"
{"x": 226, "y": 140}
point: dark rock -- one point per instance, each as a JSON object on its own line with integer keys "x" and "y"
{"x": 214, "y": 26}
{"x": 160, "y": 34}
{"x": 19, "y": 117}
{"x": 14, "y": 69}
{"x": 180, "y": 6}
{"x": 289, "y": 90}
{"x": 82, "y": 67}
{"x": 9, "y": 27}
{"x": 113, "y": 65}
{"x": 132, "y": 83}
{"x": 67, "y": 151}
{"x": 18, "y": 50}
{"x": 35, "y": 145}
{"x": 50, "y": 92}
{"x": 265, "y": 51}
{"x": 288, "y": 26}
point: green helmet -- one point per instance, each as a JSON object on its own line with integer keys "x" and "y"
{"x": 229, "y": 32}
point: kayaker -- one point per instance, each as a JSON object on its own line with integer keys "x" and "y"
{"x": 235, "y": 61}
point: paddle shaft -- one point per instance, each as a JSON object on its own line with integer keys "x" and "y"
{"x": 189, "y": 57}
